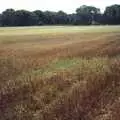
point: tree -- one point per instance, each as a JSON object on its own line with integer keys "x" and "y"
{"x": 41, "y": 17}
{"x": 25, "y": 18}
{"x": 87, "y": 10}
{"x": 61, "y": 18}
{"x": 87, "y": 13}
{"x": 49, "y": 17}
{"x": 112, "y": 14}
{"x": 0, "y": 20}
{"x": 8, "y": 17}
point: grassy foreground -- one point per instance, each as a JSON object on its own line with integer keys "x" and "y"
{"x": 60, "y": 73}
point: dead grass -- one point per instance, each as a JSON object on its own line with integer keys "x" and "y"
{"x": 62, "y": 76}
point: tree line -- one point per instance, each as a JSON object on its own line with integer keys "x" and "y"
{"x": 84, "y": 15}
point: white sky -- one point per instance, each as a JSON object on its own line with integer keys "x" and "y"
{"x": 68, "y": 6}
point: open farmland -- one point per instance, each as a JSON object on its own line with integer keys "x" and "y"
{"x": 60, "y": 73}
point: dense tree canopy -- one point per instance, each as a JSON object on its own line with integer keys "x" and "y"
{"x": 112, "y": 14}
{"x": 85, "y": 15}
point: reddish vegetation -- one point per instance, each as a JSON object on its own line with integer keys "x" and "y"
{"x": 88, "y": 91}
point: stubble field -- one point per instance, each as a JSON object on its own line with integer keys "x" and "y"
{"x": 60, "y": 73}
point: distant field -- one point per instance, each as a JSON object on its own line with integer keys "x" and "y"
{"x": 60, "y": 73}
{"x": 56, "y": 30}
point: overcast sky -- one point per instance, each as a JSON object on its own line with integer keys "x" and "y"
{"x": 68, "y": 6}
